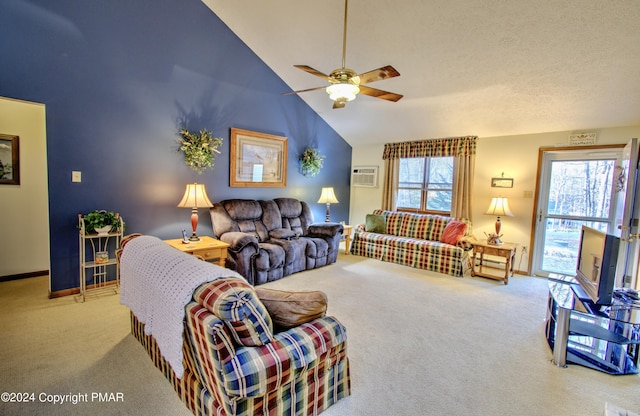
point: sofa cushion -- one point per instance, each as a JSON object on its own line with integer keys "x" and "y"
{"x": 255, "y": 228}
{"x": 375, "y": 223}
{"x": 270, "y": 215}
{"x": 296, "y": 215}
{"x": 416, "y": 226}
{"x": 235, "y": 302}
{"x": 394, "y": 220}
{"x": 453, "y": 232}
{"x": 289, "y": 309}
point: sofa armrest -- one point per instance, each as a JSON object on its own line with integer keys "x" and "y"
{"x": 255, "y": 371}
{"x": 325, "y": 229}
{"x": 238, "y": 241}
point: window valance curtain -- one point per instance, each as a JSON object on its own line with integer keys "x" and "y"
{"x": 463, "y": 150}
{"x": 453, "y": 146}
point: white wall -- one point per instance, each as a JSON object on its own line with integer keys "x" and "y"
{"x": 365, "y": 200}
{"x": 516, "y": 156}
{"x": 24, "y": 208}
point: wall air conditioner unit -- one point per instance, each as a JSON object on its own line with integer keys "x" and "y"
{"x": 364, "y": 176}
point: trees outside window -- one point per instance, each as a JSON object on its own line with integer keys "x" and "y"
{"x": 579, "y": 193}
{"x": 425, "y": 184}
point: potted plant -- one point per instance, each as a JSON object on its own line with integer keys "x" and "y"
{"x": 310, "y": 162}
{"x": 198, "y": 148}
{"x": 101, "y": 222}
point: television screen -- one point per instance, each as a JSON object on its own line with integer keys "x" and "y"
{"x": 596, "y": 268}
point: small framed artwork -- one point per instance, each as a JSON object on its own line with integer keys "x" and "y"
{"x": 502, "y": 182}
{"x": 257, "y": 160}
{"x": 9, "y": 160}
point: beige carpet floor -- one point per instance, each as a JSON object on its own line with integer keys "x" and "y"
{"x": 420, "y": 343}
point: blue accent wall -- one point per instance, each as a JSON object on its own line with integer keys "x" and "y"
{"x": 118, "y": 79}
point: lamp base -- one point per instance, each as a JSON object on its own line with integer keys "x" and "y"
{"x": 194, "y": 224}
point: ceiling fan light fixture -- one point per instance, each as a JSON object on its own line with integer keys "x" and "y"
{"x": 342, "y": 91}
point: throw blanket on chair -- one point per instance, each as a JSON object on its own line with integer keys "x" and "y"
{"x": 156, "y": 283}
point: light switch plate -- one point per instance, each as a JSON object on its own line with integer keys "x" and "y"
{"x": 76, "y": 176}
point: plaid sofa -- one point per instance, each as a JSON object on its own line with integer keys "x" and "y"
{"x": 299, "y": 371}
{"x": 413, "y": 240}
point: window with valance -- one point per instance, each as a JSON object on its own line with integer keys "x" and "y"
{"x": 415, "y": 170}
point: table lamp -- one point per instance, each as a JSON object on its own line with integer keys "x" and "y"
{"x": 328, "y": 197}
{"x": 499, "y": 206}
{"x": 195, "y": 196}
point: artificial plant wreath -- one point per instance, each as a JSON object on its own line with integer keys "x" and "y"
{"x": 310, "y": 161}
{"x": 198, "y": 148}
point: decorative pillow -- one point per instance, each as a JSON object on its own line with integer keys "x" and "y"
{"x": 282, "y": 234}
{"x": 375, "y": 223}
{"x": 453, "y": 232}
{"x": 290, "y": 309}
{"x": 235, "y": 302}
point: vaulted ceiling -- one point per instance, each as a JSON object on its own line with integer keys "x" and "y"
{"x": 468, "y": 67}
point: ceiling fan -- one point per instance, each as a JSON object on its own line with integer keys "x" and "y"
{"x": 346, "y": 83}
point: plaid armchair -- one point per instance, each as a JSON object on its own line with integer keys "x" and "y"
{"x": 235, "y": 364}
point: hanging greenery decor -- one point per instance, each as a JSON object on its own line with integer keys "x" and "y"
{"x": 198, "y": 149}
{"x": 310, "y": 162}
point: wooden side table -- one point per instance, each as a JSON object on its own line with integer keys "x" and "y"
{"x": 504, "y": 250}
{"x": 348, "y": 229}
{"x": 208, "y": 248}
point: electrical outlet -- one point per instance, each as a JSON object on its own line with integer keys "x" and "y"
{"x": 76, "y": 176}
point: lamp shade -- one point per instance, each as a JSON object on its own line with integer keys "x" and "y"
{"x": 195, "y": 196}
{"x": 499, "y": 207}
{"x": 328, "y": 196}
{"x": 342, "y": 91}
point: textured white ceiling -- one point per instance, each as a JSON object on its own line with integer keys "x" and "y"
{"x": 486, "y": 67}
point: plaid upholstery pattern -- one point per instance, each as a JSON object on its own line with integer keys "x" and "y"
{"x": 450, "y": 146}
{"x": 235, "y": 302}
{"x": 412, "y": 240}
{"x": 283, "y": 359}
{"x": 302, "y": 371}
{"x": 189, "y": 388}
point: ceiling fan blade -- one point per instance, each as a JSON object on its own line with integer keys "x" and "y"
{"x": 298, "y": 91}
{"x": 312, "y": 71}
{"x": 378, "y": 74}
{"x": 339, "y": 104}
{"x": 374, "y": 92}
